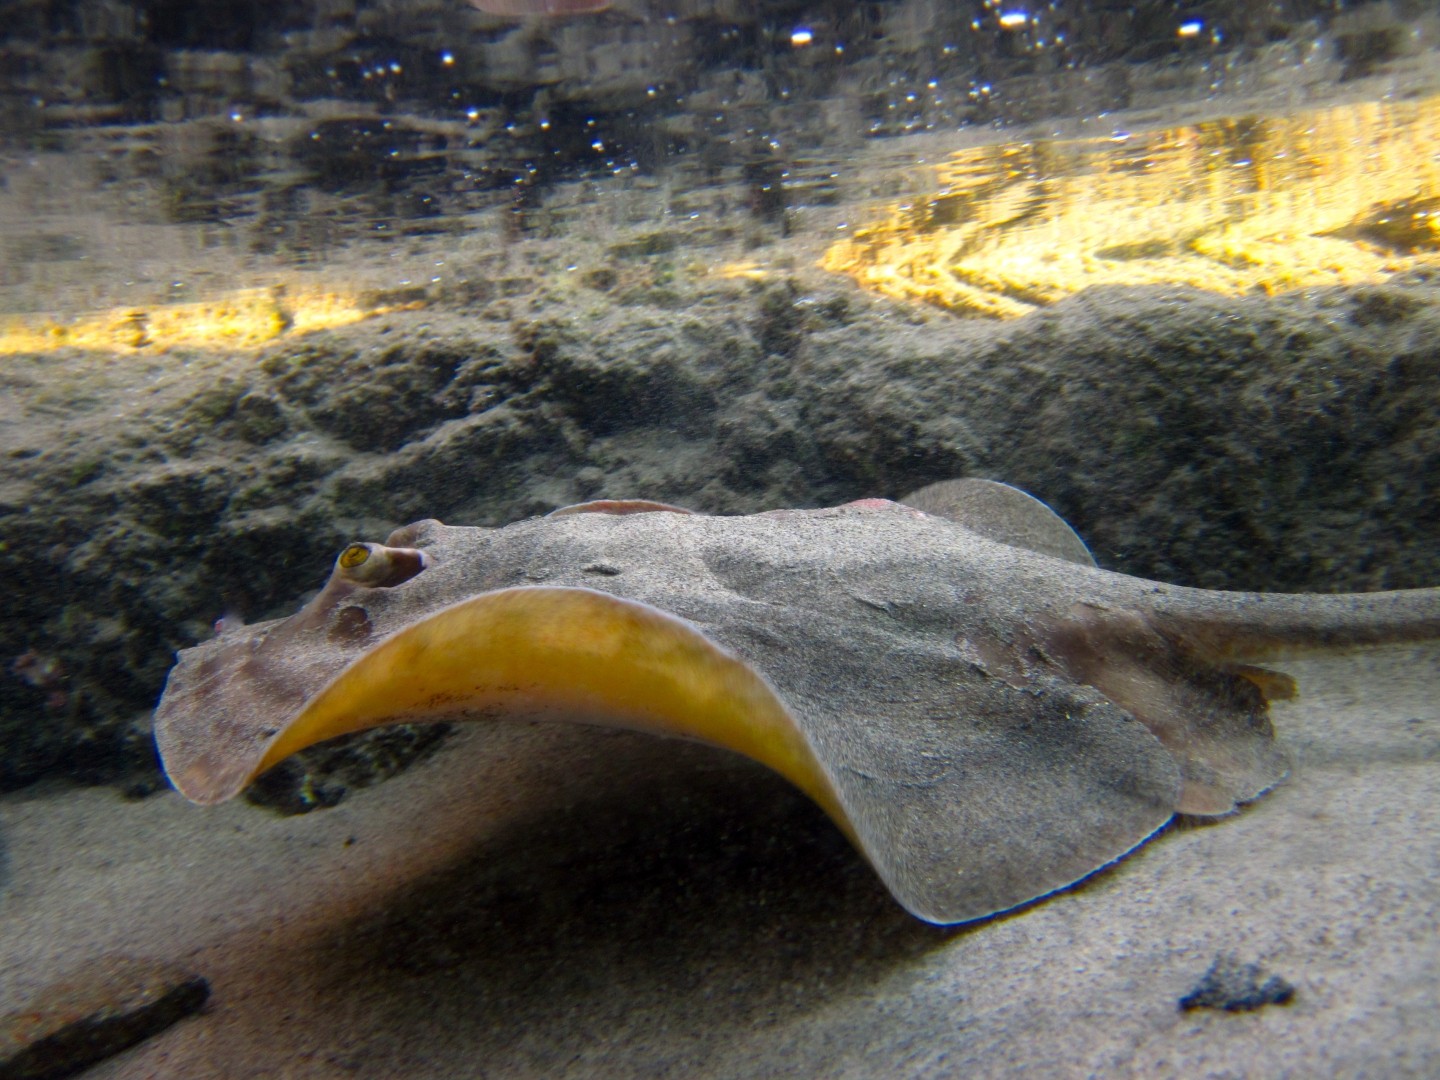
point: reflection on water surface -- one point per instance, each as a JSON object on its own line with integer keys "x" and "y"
{"x": 1340, "y": 196}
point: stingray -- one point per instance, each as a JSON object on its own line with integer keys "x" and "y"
{"x": 986, "y": 714}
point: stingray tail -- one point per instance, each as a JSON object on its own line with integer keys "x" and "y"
{"x": 1263, "y": 626}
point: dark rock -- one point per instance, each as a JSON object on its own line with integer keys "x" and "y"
{"x": 93, "y": 1013}
{"x": 1236, "y": 987}
{"x": 323, "y": 775}
{"x": 260, "y": 418}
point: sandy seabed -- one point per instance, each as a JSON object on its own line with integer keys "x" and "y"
{"x": 565, "y": 901}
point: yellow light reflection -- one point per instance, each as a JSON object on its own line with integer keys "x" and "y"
{"x": 1339, "y": 196}
{"x": 245, "y": 319}
{"x": 742, "y": 271}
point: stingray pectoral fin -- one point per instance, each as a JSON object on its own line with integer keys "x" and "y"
{"x": 1002, "y": 513}
{"x": 1210, "y": 713}
{"x": 968, "y": 799}
{"x": 1016, "y": 796}
{"x": 1184, "y": 662}
{"x": 563, "y": 653}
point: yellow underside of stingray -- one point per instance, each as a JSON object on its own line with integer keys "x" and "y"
{"x": 564, "y": 653}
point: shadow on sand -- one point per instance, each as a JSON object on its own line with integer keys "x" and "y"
{"x": 656, "y": 925}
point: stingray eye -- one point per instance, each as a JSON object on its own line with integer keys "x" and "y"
{"x": 376, "y": 566}
{"x": 354, "y": 556}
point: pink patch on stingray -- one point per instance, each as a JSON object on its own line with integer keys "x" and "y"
{"x": 619, "y": 507}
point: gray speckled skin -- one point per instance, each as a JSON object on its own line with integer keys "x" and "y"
{"x": 998, "y": 723}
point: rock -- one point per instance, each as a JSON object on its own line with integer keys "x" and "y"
{"x": 1236, "y": 987}
{"x": 324, "y": 775}
{"x": 96, "y": 1011}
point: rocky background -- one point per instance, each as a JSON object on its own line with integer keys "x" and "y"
{"x": 1261, "y": 443}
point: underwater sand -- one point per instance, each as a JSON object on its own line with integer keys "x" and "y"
{"x": 572, "y": 902}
